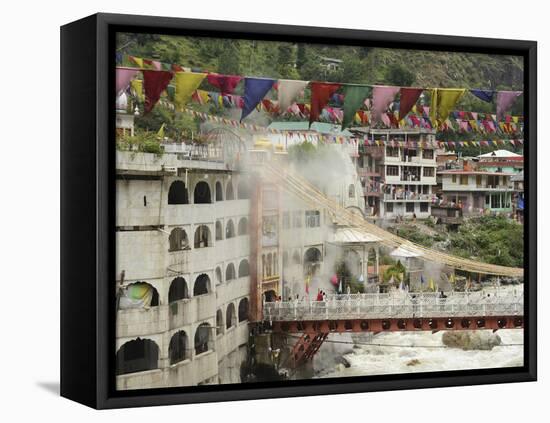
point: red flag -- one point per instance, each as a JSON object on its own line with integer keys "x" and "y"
{"x": 154, "y": 83}
{"x": 225, "y": 83}
{"x": 320, "y": 95}
{"x": 409, "y": 96}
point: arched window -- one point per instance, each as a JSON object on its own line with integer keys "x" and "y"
{"x": 219, "y": 191}
{"x": 178, "y": 290}
{"x": 351, "y": 191}
{"x": 229, "y": 229}
{"x": 219, "y": 230}
{"x": 219, "y": 322}
{"x": 202, "y": 338}
{"x": 178, "y": 240}
{"x": 243, "y": 191}
{"x": 243, "y": 268}
{"x": 137, "y": 355}
{"x": 243, "y": 310}
{"x": 312, "y": 255}
{"x": 296, "y": 258}
{"x": 177, "y": 193}
{"x": 243, "y": 226}
{"x": 229, "y": 194}
{"x": 230, "y": 316}
{"x": 230, "y": 272}
{"x": 202, "y": 237}
{"x": 138, "y": 295}
{"x": 202, "y": 285}
{"x": 201, "y": 194}
{"x": 218, "y": 275}
{"x": 177, "y": 350}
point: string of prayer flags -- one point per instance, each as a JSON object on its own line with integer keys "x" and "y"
{"x": 354, "y": 97}
{"x": 320, "y": 95}
{"x": 485, "y": 95}
{"x": 123, "y": 78}
{"x": 225, "y": 83}
{"x": 255, "y": 90}
{"x": 382, "y": 96}
{"x": 505, "y": 100}
{"x": 287, "y": 91}
{"x": 154, "y": 83}
{"x": 186, "y": 83}
{"x": 137, "y": 60}
{"x": 408, "y": 98}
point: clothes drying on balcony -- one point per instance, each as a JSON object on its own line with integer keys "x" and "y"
{"x": 136, "y": 295}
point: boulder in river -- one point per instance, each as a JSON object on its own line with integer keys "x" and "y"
{"x": 471, "y": 340}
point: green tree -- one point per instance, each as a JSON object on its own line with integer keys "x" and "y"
{"x": 400, "y": 75}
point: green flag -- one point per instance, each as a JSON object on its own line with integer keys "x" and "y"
{"x": 354, "y": 96}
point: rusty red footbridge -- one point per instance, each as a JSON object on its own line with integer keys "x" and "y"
{"x": 396, "y": 311}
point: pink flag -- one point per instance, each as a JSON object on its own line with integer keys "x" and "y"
{"x": 382, "y": 96}
{"x": 505, "y": 99}
{"x": 123, "y": 78}
{"x": 225, "y": 83}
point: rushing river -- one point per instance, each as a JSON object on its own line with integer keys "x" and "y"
{"x": 406, "y": 352}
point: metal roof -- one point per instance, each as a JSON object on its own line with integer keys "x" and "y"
{"x": 354, "y": 236}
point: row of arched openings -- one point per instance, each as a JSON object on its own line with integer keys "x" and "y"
{"x": 231, "y": 273}
{"x": 242, "y": 229}
{"x": 178, "y": 192}
{"x": 231, "y": 316}
{"x": 140, "y": 355}
{"x": 179, "y": 241}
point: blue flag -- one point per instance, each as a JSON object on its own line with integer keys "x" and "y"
{"x": 255, "y": 90}
{"x": 485, "y": 95}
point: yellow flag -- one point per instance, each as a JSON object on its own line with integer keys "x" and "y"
{"x": 442, "y": 102}
{"x": 137, "y": 87}
{"x": 186, "y": 83}
{"x": 515, "y": 119}
{"x": 137, "y": 60}
{"x": 203, "y": 96}
{"x": 431, "y": 285}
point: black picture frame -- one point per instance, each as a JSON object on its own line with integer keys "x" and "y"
{"x": 88, "y": 212}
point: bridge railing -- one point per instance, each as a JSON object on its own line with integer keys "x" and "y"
{"x": 397, "y": 305}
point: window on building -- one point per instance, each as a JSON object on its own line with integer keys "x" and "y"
{"x": 424, "y": 207}
{"x": 230, "y": 272}
{"x": 230, "y": 316}
{"x": 409, "y": 207}
{"x": 463, "y": 179}
{"x": 229, "y": 194}
{"x": 389, "y": 207}
{"x": 243, "y": 268}
{"x": 427, "y": 154}
{"x": 218, "y": 275}
{"x": 313, "y": 218}
{"x": 137, "y": 355}
{"x": 219, "y": 191}
{"x": 177, "y": 193}
{"x": 178, "y": 240}
{"x": 177, "y": 350}
{"x": 202, "y": 338}
{"x": 428, "y": 172}
{"x": 201, "y": 195}
{"x": 392, "y": 170}
{"x": 243, "y": 226}
{"x": 453, "y": 178}
{"x": 219, "y": 231}
{"x": 219, "y": 322}
{"x": 178, "y": 290}
{"x": 496, "y": 201}
{"x": 202, "y": 237}
{"x": 229, "y": 229}
{"x": 478, "y": 180}
{"x": 202, "y": 285}
{"x": 243, "y": 310}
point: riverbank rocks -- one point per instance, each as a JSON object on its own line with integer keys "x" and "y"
{"x": 471, "y": 340}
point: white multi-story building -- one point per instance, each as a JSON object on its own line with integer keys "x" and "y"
{"x": 199, "y": 246}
